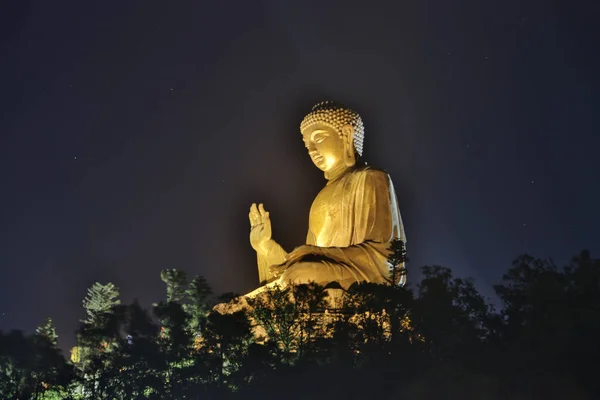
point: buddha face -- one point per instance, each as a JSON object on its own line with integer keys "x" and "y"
{"x": 325, "y": 146}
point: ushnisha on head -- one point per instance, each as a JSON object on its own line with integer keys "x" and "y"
{"x": 333, "y": 135}
{"x": 337, "y": 117}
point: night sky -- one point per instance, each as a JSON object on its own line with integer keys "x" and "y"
{"x": 134, "y": 135}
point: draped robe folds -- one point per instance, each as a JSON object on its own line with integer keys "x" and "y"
{"x": 352, "y": 222}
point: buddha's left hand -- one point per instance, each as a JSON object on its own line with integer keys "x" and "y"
{"x": 299, "y": 252}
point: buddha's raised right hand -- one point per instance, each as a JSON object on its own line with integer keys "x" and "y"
{"x": 260, "y": 228}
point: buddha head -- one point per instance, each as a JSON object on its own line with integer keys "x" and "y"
{"x": 333, "y": 136}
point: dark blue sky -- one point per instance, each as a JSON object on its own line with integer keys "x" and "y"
{"x": 135, "y": 134}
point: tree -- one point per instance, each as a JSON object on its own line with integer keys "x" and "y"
{"x": 397, "y": 260}
{"x": 550, "y": 320}
{"x": 32, "y": 367}
{"x": 132, "y": 368}
{"x": 175, "y": 341}
{"x": 47, "y": 332}
{"x": 449, "y": 312}
{"x": 444, "y": 340}
{"x": 99, "y": 301}
{"x": 16, "y": 361}
{"x": 282, "y": 319}
{"x": 198, "y": 294}
{"x": 176, "y": 281}
{"x": 98, "y": 338}
{"x": 310, "y": 304}
{"x": 225, "y": 341}
{"x": 50, "y": 372}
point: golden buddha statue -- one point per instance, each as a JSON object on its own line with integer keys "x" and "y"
{"x": 352, "y": 222}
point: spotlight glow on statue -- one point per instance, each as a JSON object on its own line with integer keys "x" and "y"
{"x": 352, "y": 222}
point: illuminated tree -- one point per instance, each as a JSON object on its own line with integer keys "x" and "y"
{"x": 175, "y": 340}
{"x": 176, "y": 281}
{"x": 99, "y": 301}
{"x": 397, "y": 260}
{"x": 98, "y": 338}
{"x": 50, "y": 371}
{"x": 198, "y": 295}
{"x": 291, "y": 318}
{"x": 47, "y": 332}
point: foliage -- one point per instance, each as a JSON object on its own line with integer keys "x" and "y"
{"x": 397, "y": 260}
{"x": 444, "y": 340}
{"x": 176, "y": 281}
{"x": 46, "y": 332}
{"x": 290, "y": 318}
{"x": 100, "y": 301}
{"x": 32, "y": 367}
{"x": 198, "y": 294}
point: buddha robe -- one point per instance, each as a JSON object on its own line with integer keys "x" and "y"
{"x": 352, "y": 222}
